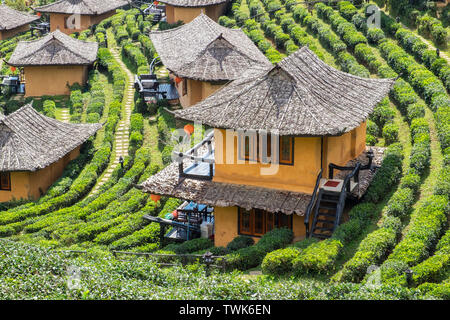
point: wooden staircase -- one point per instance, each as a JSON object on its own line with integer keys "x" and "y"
{"x": 325, "y": 214}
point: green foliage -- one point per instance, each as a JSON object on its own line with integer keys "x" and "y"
{"x": 280, "y": 262}
{"x": 240, "y": 242}
{"x": 252, "y": 256}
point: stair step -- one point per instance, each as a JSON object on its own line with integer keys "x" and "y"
{"x": 321, "y": 236}
{"x": 327, "y": 207}
{"x": 321, "y": 214}
{"x": 322, "y": 229}
{"x": 325, "y": 221}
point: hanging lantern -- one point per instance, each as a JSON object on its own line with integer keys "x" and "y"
{"x": 175, "y": 214}
{"x": 155, "y": 197}
{"x": 155, "y": 3}
{"x": 189, "y": 129}
{"x": 13, "y": 69}
{"x": 178, "y": 80}
{"x": 38, "y": 14}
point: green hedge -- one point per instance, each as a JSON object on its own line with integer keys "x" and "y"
{"x": 252, "y": 256}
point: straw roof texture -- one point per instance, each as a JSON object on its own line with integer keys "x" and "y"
{"x": 193, "y": 3}
{"x": 55, "y": 48}
{"x": 300, "y": 96}
{"x": 11, "y": 19}
{"x": 85, "y": 7}
{"x": 168, "y": 183}
{"x": 206, "y": 51}
{"x": 30, "y": 141}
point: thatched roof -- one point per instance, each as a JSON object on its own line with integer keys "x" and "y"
{"x": 84, "y": 7}
{"x": 11, "y": 19}
{"x": 30, "y": 141}
{"x": 168, "y": 183}
{"x": 55, "y": 48}
{"x": 193, "y": 3}
{"x": 300, "y": 96}
{"x": 204, "y": 50}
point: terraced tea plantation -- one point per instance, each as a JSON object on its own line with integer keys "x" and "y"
{"x": 400, "y": 226}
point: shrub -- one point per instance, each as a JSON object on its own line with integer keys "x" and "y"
{"x": 411, "y": 181}
{"x": 319, "y": 257}
{"x": 252, "y": 256}
{"x": 375, "y": 35}
{"x": 390, "y": 133}
{"x": 400, "y": 203}
{"x": 371, "y": 140}
{"x": 387, "y": 175}
{"x": 50, "y": 108}
{"x": 192, "y": 246}
{"x": 280, "y": 262}
{"x": 240, "y": 242}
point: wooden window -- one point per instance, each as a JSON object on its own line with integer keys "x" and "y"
{"x": 185, "y": 87}
{"x": 257, "y": 222}
{"x": 5, "y": 181}
{"x": 248, "y": 146}
{"x": 252, "y": 147}
{"x": 286, "y": 150}
{"x": 245, "y": 222}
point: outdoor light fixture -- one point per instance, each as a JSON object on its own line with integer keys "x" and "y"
{"x": 438, "y": 52}
{"x": 121, "y": 161}
{"x": 208, "y": 260}
{"x": 409, "y": 273}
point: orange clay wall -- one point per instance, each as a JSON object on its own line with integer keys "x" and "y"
{"x": 57, "y": 21}
{"x": 52, "y": 80}
{"x": 186, "y": 15}
{"x": 226, "y": 226}
{"x": 340, "y": 150}
{"x": 11, "y": 33}
{"x": 196, "y": 91}
{"x": 32, "y": 185}
{"x": 299, "y": 177}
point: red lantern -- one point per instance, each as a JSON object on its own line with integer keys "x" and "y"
{"x": 38, "y": 14}
{"x": 175, "y": 214}
{"x": 13, "y": 69}
{"x": 178, "y": 80}
{"x": 155, "y": 197}
{"x": 155, "y": 3}
{"x": 189, "y": 129}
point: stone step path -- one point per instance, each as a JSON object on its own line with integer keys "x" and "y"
{"x": 121, "y": 138}
{"x": 65, "y": 115}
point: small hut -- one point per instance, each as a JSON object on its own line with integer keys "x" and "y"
{"x": 53, "y": 63}
{"x": 202, "y": 56}
{"x": 34, "y": 150}
{"x": 13, "y": 22}
{"x": 188, "y": 10}
{"x": 277, "y": 133}
{"x": 71, "y": 16}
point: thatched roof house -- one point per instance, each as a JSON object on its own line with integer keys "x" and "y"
{"x": 90, "y": 12}
{"x": 30, "y": 141}
{"x": 56, "y": 48}
{"x": 193, "y": 3}
{"x": 13, "y": 22}
{"x": 187, "y": 10}
{"x": 205, "y": 51}
{"x": 315, "y": 116}
{"x": 34, "y": 151}
{"x": 53, "y": 62}
{"x": 300, "y": 96}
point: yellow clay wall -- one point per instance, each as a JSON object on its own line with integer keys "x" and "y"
{"x": 52, "y": 80}
{"x": 31, "y": 185}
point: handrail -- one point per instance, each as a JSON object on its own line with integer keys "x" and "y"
{"x": 312, "y": 202}
{"x": 343, "y": 195}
